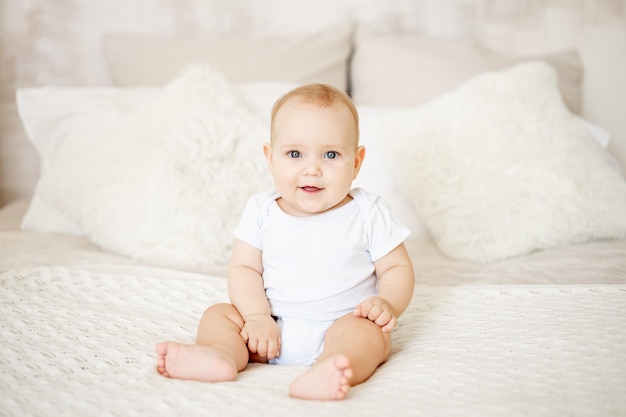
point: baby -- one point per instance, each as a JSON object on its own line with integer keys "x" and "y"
{"x": 318, "y": 274}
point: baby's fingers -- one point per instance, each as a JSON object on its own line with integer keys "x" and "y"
{"x": 262, "y": 347}
{"x": 375, "y": 313}
{"x": 381, "y": 318}
{"x": 253, "y": 345}
{"x": 363, "y": 309}
{"x": 273, "y": 348}
{"x": 244, "y": 335}
{"x": 389, "y": 325}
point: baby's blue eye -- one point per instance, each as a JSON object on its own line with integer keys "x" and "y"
{"x": 294, "y": 154}
{"x": 331, "y": 155}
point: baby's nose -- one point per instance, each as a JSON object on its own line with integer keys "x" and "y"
{"x": 312, "y": 169}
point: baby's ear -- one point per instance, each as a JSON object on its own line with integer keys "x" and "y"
{"x": 358, "y": 160}
{"x": 267, "y": 151}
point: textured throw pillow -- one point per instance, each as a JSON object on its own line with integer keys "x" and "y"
{"x": 406, "y": 70}
{"x": 167, "y": 183}
{"x": 53, "y": 116}
{"x": 499, "y": 167}
{"x": 145, "y": 60}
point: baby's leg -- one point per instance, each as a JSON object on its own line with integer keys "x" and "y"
{"x": 353, "y": 348}
{"x": 218, "y": 354}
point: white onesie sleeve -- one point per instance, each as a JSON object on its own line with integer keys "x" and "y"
{"x": 249, "y": 228}
{"x": 384, "y": 231}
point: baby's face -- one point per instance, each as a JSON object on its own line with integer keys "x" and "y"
{"x": 313, "y": 157}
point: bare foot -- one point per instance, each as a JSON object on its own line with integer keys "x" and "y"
{"x": 200, "y": 363}
{"x": 325, "y": 380}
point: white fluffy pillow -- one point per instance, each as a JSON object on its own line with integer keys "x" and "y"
{"x": 499, "y": 168}
{"x": 165, "y": 185}
{"x": 53, "y": 116}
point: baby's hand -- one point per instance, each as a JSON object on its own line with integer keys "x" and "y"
{"x": 262, "y": 335}
{"x": 379, "y": 311}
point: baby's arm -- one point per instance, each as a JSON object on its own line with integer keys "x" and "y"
{"x": 246, "y": 291}
{"x": 396, "y": 282}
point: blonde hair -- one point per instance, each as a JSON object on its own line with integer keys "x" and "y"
{"x": 322, "y": 95}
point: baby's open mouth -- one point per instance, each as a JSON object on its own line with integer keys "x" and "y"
{"x": 310, "y": 188}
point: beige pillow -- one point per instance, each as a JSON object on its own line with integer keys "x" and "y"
{"x": 404, "y": 70}
{"x": 145, "y": 60}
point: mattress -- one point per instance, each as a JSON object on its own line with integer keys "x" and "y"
{"x": 79, "y": 342}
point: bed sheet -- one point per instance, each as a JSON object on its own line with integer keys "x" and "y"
{"x": 78, "y": 342}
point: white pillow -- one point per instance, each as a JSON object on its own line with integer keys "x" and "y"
{"x": 166, "y": 183}
{"x": 53, "y": 116}
{"x": 499, "y": 167}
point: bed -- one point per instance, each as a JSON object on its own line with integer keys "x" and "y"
{"x": 514, "y": 193}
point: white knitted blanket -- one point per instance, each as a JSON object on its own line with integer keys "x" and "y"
{"x": 78, "y": 343}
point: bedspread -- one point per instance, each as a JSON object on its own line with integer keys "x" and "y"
{"x": 77, "y": 342}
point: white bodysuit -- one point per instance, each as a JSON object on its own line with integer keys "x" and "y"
{"x": 317, "y": 268}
